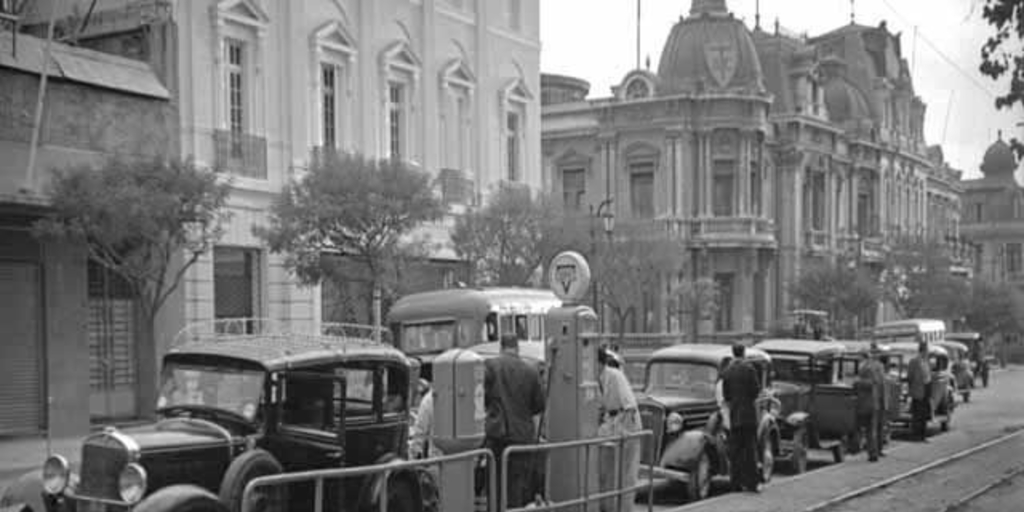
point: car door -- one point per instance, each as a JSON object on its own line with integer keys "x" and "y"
{"x": 834, "y": 403}
{"x": 377, "y": 411}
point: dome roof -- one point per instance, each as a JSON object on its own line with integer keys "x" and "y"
{"x": 845, "y": 102}
{"x": 709, "y": 50}
{"x": 998, "y": 159}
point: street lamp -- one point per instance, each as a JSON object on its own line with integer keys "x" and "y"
{"x": 607, "y": 216}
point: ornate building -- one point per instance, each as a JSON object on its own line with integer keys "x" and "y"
{"x": 760, "y": 151}
{"x": 994, "y": 216}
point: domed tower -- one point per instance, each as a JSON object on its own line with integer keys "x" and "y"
{"x": 710, "y": 50}
{"x": 999, "y": 160}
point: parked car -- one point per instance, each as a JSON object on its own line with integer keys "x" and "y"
{"x": 235, "y": 408}
{"x": 941, "y": 390}
{"x": 980, "y": 353}
{"x": 820, "y": 408}
{"x": 678, "y": 404}
{"x": 960, "y": 367}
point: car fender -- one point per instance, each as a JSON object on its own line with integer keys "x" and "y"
{"x": 25, "y": 493}
{"x": 797, "y": 419}
{"x": 180, "y": 497}
{"x": 685, "y": 451}
{"x": 373, "y": 491}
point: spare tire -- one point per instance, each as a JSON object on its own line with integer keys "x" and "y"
{"x": 245, "y": 468}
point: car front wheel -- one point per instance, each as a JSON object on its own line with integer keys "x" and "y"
{"x": 181, "y": 498}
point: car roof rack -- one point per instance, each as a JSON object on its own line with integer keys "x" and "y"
{"x": 224, "y": 329}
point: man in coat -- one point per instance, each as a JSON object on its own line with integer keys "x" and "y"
{"x": 919, "y": 379}
{"x": 740, "y": 388}
{"x": 870, "y": 388}
{"x": 513, "y": 396}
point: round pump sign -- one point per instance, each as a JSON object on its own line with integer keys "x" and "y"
{"x": 569, "y": 276}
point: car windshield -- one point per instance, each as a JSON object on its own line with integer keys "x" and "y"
{"x": 694, "y": 380}
{"x": 234, "y": 390}
{"x": 800, "y": 369}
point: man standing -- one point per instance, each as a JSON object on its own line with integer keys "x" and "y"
{"x": 870, "y": 386}
{"x": 619, "y": 416}
{"x": 740, "y": 388}
{"x": 919, "y": 377}
{"x": 513, "y": 396}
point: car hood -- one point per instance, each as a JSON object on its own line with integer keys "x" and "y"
{"x": 670, "y": 401}
{"x": 170, "y": 435}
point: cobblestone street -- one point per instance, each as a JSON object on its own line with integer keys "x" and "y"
{"x": 992, "y": 413}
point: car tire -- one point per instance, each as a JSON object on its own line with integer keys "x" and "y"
{"x": 246, "y": 467}
{"x": 402, "y": 495}
{"x": 798, "y": 458}
{"x": 28, "y": 490}
{"x": 181, "y": 498}
{"x": 698, "y": 482}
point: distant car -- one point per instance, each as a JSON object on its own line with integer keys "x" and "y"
{"x": 979, "y": 353}
{"x": 821, "y": 408}
{"x": 678, "y": 404}
{"x": 941, "y": 390}
{"x": 960, "y": 367}
{"x": 236, "y": 408}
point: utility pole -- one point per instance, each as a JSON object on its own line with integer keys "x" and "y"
{"x": 30, "y": 178}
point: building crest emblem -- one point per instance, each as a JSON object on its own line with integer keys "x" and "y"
{"x": 721, "y": 56}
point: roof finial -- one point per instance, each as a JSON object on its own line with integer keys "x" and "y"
{"x": 648, "y": 62}
{"x": 999, "y": 134}
{"x": 776, "y": 25}
{"x": 853, "y": 12}
{"x": 757, "y": 15}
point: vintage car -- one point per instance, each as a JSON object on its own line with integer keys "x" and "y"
{"x": 960, "y": 367}
{"x": 678, "y": 404}
{"x": 233, "y": 408}
{"x": 980, "y": 354}
{"x": 818, "y": 406}
{"x": 941, "y": 390}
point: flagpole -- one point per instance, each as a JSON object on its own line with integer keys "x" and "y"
{"x": 637, "y": 34}
{"x": 44, "y": 73}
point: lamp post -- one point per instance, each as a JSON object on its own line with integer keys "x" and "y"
{"x": 607, "y": 216}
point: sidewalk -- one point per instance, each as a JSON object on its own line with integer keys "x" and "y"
{"x": 19, "y": 455}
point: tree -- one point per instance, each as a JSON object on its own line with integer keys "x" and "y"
{"x": 695, "y": 299}
{"x": 993, "y": 308}
{"x": 137, "y": 218}
{"x": 352, "y": 206}
{"x": 1003, "y": 53}
{"x": 847, "y": 291}
{"x": 918, "y": 283}
{"x": 510, "y": 238}
{"x": 631, "y": 267}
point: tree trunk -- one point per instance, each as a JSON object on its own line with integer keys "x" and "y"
{"x": 377, "y": 311}
{"x": 147, "y": 364}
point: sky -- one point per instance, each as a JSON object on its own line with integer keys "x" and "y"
{"x": 596, "y": 40}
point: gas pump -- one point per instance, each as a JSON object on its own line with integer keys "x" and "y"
{"x": 459, "y": 414}
{"x": 573, "y": 411}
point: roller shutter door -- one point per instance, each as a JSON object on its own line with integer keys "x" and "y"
{"x": 21, "y": 404}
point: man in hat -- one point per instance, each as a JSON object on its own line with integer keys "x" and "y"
{"x": 870, "y": 387}
{"x": 740, "y": 388}
{"x": 919, "y": 380}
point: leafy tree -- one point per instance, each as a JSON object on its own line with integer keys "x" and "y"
{"x": 848, "y": 292}
{"x": 632, "y": 266}
{"x": 510, "y": 238}
{"x": 1003, "y": 53}
{"x": 357, "y": 207}
{"x": 146, "y": 221}
{"x": 696, "y": 299}
{"x": 993, "y": 308}
{"x": 918, "y": 283}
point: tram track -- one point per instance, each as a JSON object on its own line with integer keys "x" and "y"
{"x": 863, "y": 494}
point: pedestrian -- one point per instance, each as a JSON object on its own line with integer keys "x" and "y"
{"x": 919, "y": 379}
{"x": 513, "y": 397}
{"x": 870, "y": 390}
{"x": 723, "y": 406}
{"x": 420, "y": 445}
{"x": 741, "y": 388}
{"x": 619, "y": 416}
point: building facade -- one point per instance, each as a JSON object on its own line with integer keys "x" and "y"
{"x": 762, "y": 151}
{"x": 56, "y": 308}
{"x": 265, "y": 86}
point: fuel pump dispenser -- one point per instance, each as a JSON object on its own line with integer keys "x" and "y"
{"x": 459, "y": 415}
{"x": 572, "y": 408}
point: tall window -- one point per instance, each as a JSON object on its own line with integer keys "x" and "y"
{"x": 396, "y": 118}
{"x": 573, "y": 188}
{"x": 462, "y": 135}
{"x": 236, "y": 283}
{"x": 513, "y": 128}
{"x": 641, "y": 190}
{"x": 329, "y": 91}
{"x": 1014, "y": 262}
{"x": 236, "y": 93}
{"x": 979, "y": 209}
{"x": 818, "y": 201}
{"x": 756, "y": 191}
{"x": 722, "y": 183}
{"x": 723, "y": 319}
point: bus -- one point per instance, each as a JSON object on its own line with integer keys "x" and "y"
{"x": 423, "y": 325}
{"x": 914, "y": 329}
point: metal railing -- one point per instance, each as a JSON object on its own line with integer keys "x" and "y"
{"x": 225, "y": 328}
{"x": 617, "y": 443}
{"x": 250, "y": 501}
{"x": 240, "y": 153}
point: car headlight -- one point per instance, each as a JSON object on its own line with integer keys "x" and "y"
{"x": 56, "y": 472}
{"x": 132, "y": 483}
{"x": 674, "y": 423}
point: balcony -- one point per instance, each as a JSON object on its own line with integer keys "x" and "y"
{"x": 726, "y": 232}
{"x": 240, "y": 154}
{"x": 456, "y": 188}
{"x": 817, "y": 241}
